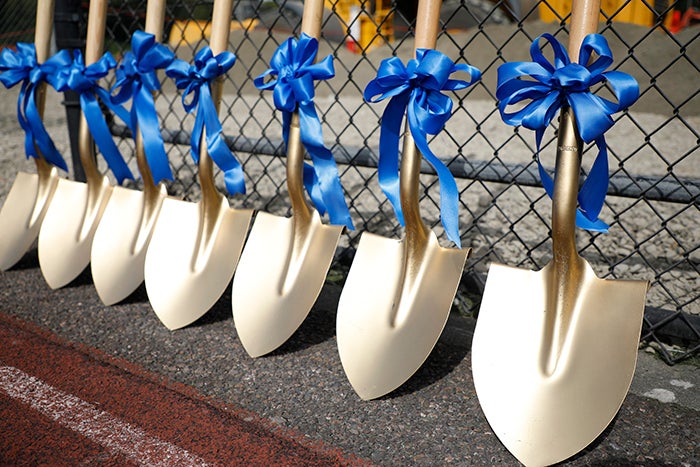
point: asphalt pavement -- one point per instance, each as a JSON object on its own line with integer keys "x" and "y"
{"x": 434, "y": 419}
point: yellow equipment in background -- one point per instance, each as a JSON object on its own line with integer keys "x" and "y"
{"x": 624, "y": 11}
{"x": 369, "y": 22}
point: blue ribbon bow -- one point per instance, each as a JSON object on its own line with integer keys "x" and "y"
{"x": 137, "y": 79}
{"x": 74, "y": 75}
{"x": 416, "y": 88}
{"x": 293, "y": 72}
{"x": 21, "y": 66}
{"x": 195, "y": 80}
{"x": 565, "y": 83}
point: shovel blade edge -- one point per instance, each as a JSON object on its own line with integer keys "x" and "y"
{"x": 117, "y": 267}
{"x": 178, "y": 293}
{"x": 543, "y": 418}
{"x": 64, "y": 242}
{"x": 265, "y": 316}
{"x": 378, "y": 353}
{"x": 18, "y": 231}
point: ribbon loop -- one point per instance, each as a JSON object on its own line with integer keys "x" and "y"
{"x": 292, "y": 74}
{"x": 21, "y": 66}
{"x": 548, "y": 87}
{"x": 74, "y": 75}
{"x": 195, "y": 80}
{"x": 416, "y": 89}
{"x": 137, "y": 79}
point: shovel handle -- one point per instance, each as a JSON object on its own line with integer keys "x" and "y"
{"x": 42, "y": 44}
{"x": 584, "y": 21}
{"x": 94, "y": 45}
{"x": 220, "y": 28}
{"x": 417, "y": 232}
{"x": 302, "y": 214}
{"x": 155, "y": 18}
{"x": 312, "y": 18}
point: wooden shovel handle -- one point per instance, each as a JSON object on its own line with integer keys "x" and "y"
{"x": 312, "y": 18}
{"x": 155, "y": 18}
{"x": 427, "y": 22}
{"x": 584, "y": 21}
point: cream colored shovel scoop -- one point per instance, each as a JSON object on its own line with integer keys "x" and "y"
{"x": 195, "y": 247}
{"x": 398, "y": 294}
{"x": 24, "y": 209}
{"x": 285, "y": 260}
{"x": 554, "y": 350}
{"x": 122, "y": 237}
{"x": 65, "y": 239}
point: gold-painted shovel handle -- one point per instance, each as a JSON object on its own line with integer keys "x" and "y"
{"x": 212, "y": 200}
{"x": 584, "y": 20}
{"x": 97, "y": 16}
{"x": 155, "y": 18}
{"x": 416, "y": 236}
{"x": 301, "y": 212}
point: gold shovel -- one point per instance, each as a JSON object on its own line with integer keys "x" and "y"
{"x": 122, "y": 237}
{"x": 195, "y": 247}
{"x": 285, "y": 261}
{"x": 398, "y": 294}
{"x": 24, "y": 209}
{"x": 554, "y": 350}
{"x": 65, "y": 239}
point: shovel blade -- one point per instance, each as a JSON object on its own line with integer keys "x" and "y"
{"x": 21, "y": 218}
{"x": 182, "y": 282}
{"x": 271, "y": 298}
{"x": 378, "y": 349}
{"x": 65, "y": 238}
{"x": 119, "y": 247}
{"x": 543, "y": 417}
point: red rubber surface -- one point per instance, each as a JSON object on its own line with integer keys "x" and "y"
{"x": 66, "y": 404}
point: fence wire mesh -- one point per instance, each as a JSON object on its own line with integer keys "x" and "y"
{"x": 653, "y": 203}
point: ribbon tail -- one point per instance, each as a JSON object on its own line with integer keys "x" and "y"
{"x": 42, "y": 138}
{"x": 449, "y": 193}
{"x": 117, "y": 109}
{"x": 388, "y": 166}
{"x": 22, "y": 103}
{"x": 313, "y": 188}
{"x": 217, "y": 147}
{"x": 324, "y": 166}
{"x": 103, "y": 138}
{"x": 591, "y": 197}
{"x": 147, "y": 123}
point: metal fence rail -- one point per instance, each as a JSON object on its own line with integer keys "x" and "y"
{"x": 653, "y": 206}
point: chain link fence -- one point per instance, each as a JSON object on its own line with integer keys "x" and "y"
{"x": 654, "y": 195}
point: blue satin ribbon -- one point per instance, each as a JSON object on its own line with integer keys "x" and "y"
{"x": 554, "y": 85}
{"x": 293, "y": 73}
{"x": 137, "y": 79}
{"x": 74, "y": 75}
{"x": 195, "y": 80}
{"x": 21, "y": 66}
{"x": 416, "y": 88}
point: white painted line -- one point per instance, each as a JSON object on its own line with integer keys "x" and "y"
{"x": 114, "y": 434}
